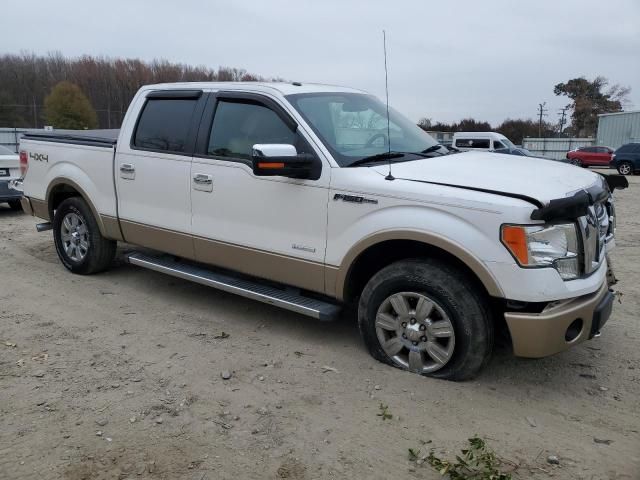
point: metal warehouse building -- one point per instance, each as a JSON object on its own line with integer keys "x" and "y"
{"x": 616, "y": 129}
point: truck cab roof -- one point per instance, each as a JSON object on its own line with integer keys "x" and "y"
{"x": 284, "y": 88}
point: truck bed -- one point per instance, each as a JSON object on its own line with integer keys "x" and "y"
{"x": 94, "y": 138}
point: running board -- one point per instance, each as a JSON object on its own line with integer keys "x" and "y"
{"x": 288, "y": 299}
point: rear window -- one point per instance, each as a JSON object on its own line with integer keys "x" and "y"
{"x": 473, "y": 142}
{"x": 629, "y": 148}
{"x": 164, "y": 124}
{"x": 5, "y": 151}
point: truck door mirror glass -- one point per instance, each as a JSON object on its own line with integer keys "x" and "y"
{"x": 275, "y": 159}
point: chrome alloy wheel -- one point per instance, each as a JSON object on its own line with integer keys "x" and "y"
{"x": 625, "y": 169}
{"x": 415, "y": 332}
{"x": 75, "y": 236}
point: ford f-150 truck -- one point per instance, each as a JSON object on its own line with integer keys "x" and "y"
{"x": 305, "y": 197}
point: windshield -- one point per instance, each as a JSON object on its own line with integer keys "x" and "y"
{"x": 353, "y": 126}
{"x": 507, "y": 142}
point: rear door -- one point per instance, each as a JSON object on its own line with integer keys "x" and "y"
{"x": 269, "y": 227}
{"x": 153, "y": 171}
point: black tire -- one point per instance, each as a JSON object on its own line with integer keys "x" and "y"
{"x": 100, "y": 251}
{"x": 623, "y": 166}
{"x": 454, "y": 292}
{"x": 576, "y": 162}
{"x": 15, "y": 205}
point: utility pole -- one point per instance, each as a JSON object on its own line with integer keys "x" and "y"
{"x": 35, "y": 114}
{"x": 542, "y": 112}
{"x": 563, "y": 118}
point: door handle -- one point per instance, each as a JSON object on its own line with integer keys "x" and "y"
{"x": 127, "y": 171}
{"x": 202, "y": 179}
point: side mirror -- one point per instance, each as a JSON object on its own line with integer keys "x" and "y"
{"x": 275, "y": 159}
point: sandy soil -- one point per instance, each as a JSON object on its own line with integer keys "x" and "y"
{"x": 119, "y": 376}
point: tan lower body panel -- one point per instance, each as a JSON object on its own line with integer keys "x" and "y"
{"x": 167, "y": 241}
{"x": 542, "y": 334}
{"x": 40, "y": 209}
{"x": 278, "y": 268}
{"x": 25, "y": 203}
{"x": 111, "y": 228}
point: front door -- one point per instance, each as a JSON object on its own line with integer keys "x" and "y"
{"x": 269, "y": 227}
{"x": 153, "y": 172}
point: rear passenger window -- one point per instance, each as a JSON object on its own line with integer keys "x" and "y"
{"x": 238, "y": 126}
{"x": 164, "y": 124}
{"x": 473, "y": 143}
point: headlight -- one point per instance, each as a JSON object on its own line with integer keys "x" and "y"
{"x": 553, "y": 246}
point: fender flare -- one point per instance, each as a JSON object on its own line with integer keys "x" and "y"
{"x": 340, "y": 275}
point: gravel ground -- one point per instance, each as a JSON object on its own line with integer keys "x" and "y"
{"x": 119, "y": 375}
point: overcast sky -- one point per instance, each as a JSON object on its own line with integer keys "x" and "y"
{"x": 447, "y": 59}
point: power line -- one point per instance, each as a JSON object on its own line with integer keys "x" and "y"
{"x": 563, "y": 118}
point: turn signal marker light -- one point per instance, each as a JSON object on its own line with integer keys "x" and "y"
{"x": 515, "y": 239}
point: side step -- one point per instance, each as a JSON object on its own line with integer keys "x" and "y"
{"x": 287, "y": 299}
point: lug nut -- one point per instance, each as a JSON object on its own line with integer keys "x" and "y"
{"x": 413, "y": 320}
{"x": 404, "y": 324}
{"x": 423, "y": 339}
{"x": 423, "y": 328}
{"x": 404, "y": 335}
{"x": 415, "y": 343}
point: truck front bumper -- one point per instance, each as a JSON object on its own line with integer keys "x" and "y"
{"x": 560, "y": 325}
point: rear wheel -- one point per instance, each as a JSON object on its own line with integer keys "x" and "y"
{"x": 576, "y": 162}
{"x": 424, "y": 316}
{"x": 15, "y": 205}
{"x": 625, "y": 168}
{"x": 80, "y": 246}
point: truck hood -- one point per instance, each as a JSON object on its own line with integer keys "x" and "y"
{"x": 539, "y": 179}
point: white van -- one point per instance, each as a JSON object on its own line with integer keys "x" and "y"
{"x": 487, "y": 141}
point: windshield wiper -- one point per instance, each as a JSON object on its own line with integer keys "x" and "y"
{"x": 433, "y": 148}
{"x": 377, "y": 157}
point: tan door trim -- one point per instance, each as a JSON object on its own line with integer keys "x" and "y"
{"x": 279, "y": 268}
{"x": 337, "y": 277}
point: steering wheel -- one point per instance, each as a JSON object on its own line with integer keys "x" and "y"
{"x": 375, "y": 137}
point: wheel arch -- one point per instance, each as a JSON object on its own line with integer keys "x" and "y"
{"x": 379, "y": 250}
{"x": 61, "y": 188}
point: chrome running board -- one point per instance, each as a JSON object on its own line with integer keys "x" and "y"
{"x": 289, "y": 299}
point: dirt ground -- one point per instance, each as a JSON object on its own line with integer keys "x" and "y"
{"x": 118, "y": 375}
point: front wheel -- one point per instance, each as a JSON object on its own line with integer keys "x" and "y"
{"x": 424, "y": 316}
{"x": 80, "y": 246}
{"x": 576, "y": 162}
{"x": 625, "y": 168}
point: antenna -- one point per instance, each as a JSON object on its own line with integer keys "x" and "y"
{"x": 386, "y": 88}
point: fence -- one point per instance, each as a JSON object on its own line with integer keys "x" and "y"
{"x": 10, "y": 137}
{"x": 555, "y": 148}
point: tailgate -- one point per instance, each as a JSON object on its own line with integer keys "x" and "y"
{"x": 9, "y": 166}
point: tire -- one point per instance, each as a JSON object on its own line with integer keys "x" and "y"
{"x": 576, "y": 162}
{"x": 15, "y": 205}
{"x": 75, "y": 226}
{"x": 455, "y": 298}
{"x": 625, "y": 168}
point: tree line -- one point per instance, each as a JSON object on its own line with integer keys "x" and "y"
{"x": 90, "y": 92}
{"x": 108, "y": 83}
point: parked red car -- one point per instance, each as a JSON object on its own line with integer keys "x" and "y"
{"x": 590, "y": 156}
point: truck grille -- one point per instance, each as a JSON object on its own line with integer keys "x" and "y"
{"x": 596, "y": 229}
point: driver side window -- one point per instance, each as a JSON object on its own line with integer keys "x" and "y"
{"x": 238, "y": 125}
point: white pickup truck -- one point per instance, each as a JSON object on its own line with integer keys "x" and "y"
{"x": 302, "y": 196}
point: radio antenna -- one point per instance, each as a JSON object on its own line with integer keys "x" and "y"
{"x": 386, "y": 88}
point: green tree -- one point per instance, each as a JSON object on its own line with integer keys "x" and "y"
{"x": 590, "y": 98}
{"x": 67, "y": 107}
{"x": 516, "y": 129}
